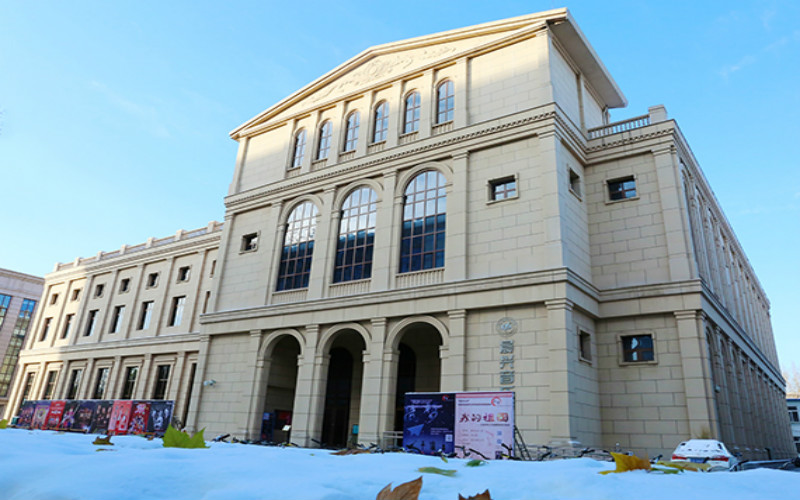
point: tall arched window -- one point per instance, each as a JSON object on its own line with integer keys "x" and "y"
{"x": 381, "y": 121}
{"x": 298, "y": 247}
{"x": 445, "y": 102}
{"x": 424, "y": 217}
{"x": 351, "y": 136}
{"x": 299, "y": 150}
{"x": 356, "y": 236}
{"x": 324, "y": 143}
{"x": 411, "y": 118}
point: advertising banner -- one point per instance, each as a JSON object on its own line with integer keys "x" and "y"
{"x": 101, "y": 416}
{"x": 84, "y": 416}
{"x": 26, "y": 414}
{"x": 120, "y": 417}
{"x": 160, "y": 416}
{"x": 54, "y": 414}
{"x": 139, "y": 417}
{"x": 40, "y": 414}
{"x": 485, "y": 423}
{"x": 428, "y": 420}
{"x": 68, "y": 417}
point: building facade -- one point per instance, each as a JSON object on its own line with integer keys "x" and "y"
{"x": 19, "y": 295}
{"x": 794, "y": 417}
{"x": 122, "y": 324}
{"x": 456, "y": 213}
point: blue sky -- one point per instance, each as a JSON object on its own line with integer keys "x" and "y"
{"x": 114, "y": 116}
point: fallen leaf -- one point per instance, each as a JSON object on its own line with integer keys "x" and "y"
{"x": 351, "y": 451}
{"x": 627, "y": 463}
{"x": 103, "y": 441}
{"x": 405, "y": 491}
{"x": 3, "y": 424}
{"x": 436, "y": 470}
{"x": 475, "y": 462}
{"x": 480, "y": 496}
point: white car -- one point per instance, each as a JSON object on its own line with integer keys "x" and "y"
{"x": 705, "y": 451}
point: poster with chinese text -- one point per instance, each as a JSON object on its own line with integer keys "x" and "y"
{"x": 120, "y": 417}
{"x": 485, "y": 423}
{"x": 428, "y": 422}
{"x": 139, "y": 417}
{"x": 54, "y": 414}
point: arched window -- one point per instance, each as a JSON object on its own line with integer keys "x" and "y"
{"x": 381, "y": 121}
{"x": 411, "y": 119}
{"x": 356, "y": 236}
{"x": 298, "y": 247}
{"x": 444, "y": 102}
{"x": 299, "y": 150}
{"x": 424, "y": 217}
{"x": 351, "y": 136}
{"x": 324, "y": 143}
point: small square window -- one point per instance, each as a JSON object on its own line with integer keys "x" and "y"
{"x": 53, "y": 299}
{"x": 76, "y": 294}
{"x": 124, "y": 285}
{"x": 622, "y": 189}
{"x": 152, "y": 280}
{"x": 638, "y": 348}
{"x": 585, "y": 346}
{"x": 183, "y": 274}
{"x": 575, "y": 183}
{"x": 98, "y": 290}
{"x": 250, "y": 242}
{"x": 503, "y": 189}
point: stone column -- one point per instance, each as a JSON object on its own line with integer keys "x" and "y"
{"x": 250, "y": 427}
{"x": 306, "y": 391}
{"x": 562, "y": 358}
{"x": 697, "y": 380}
{"x": 371, "y": 395}
{"x": 384, "y": 262}
{"x": 461, "y": 97}
{"x": 199, "y": 377}
{"x": 388, "y": 389}
{"x": 86, "y": 381}
{"x": 113, "y": 377}
{"x": 143, "y": 387}
{"x": 452, "y": 378}
{"x": 177, "y": 377}
{"x": 427, "y": 99}
{"x": 457, "y": 209}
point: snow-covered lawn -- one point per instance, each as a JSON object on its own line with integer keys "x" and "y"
{"x": 48, "y": 465}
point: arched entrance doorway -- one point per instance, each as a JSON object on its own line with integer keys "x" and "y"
{"x": 419, "y": 365}
{"x": 281, "y": 385}
{"x": 343, "y": 388}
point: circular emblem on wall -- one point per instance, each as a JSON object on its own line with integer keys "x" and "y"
{"x": 506, "y": 326}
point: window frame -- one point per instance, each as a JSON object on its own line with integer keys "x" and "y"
{"x": 574, "y": 179}
{"x": 299, "y": 140}
{"x": 49, "y": 386}
{"x": 623, "y": 351}
{"x": 493, "y": 184}
{"x": 446, "y": 114}
{"x": 622, "y": 179}
{"x": 67, "y": 329}
{"x": 414, "y": 109}
{"x": 176, "y": 310}
{"x": 413, "y": 242}
{"x": 152, "y": 280}
{"x": 249, "y": 242}
{"x": 346, "y": 262}
{"x": 91, "y": 323}
{"x": 124, "y": 285}
{"x": 585, "y": 346}
{"x": 324, "y": 138}
{"x": 160, "y": 386}
{"x": 101, "y": 382}
{"x": 45, "y": 329}
{"x": 351, "y": 131}
{"x": 380, "y": 116}
{"x": 128, "y": 384}
{"x": 117, "y": 316}
{"x": 293, "y": 230}
{"x": 74, "y": 383}
{"x": 145, "y": 315}
{"x": 184, "y": 274}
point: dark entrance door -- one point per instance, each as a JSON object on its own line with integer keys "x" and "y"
{"x": 337, "y": 398}
{"x": 406, "y": 382}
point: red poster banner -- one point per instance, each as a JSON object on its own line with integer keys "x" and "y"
{"x": 54, "y": 415}
{"x": 141, "y": 411}
{"x": 120, "y": 417}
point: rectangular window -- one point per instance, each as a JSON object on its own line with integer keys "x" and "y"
{"x": 144, "y": 316}
{"x": 183, "y": 274}
{"x": 130, "y": 382}
{"x": 250, "y": 242}
{"x": 176, "y": 314}
{"x": 152, "y": 280}
{"x": 116, "y": 320}
{"x": 67, "y": 326}
{"x": 213, "y": 268}
{"x": 90, "y": 322}
{"x": 76, "y": 294}
{"x": 100, "y": 383}
{"x": 503, "y": 189}
{"x": 622, "y": 189}
{"x": 9, "y": 364}
{"x": 162, "y": 378}
{"x": 637, "y": 348}
{"x": 45, "y": 329}
{"x": 575, "y": 183}
{"x": 28, "y": 386}
{"x": 585, "y": 345}
{"x": 5, "y": 300}
{"x": 74, "y": 383}
{"x": 124, "y": 285}
{"x": 50, "y": 384}
{"x": 205, "y": 302}
{"x": 794, "y": 415}
{"x": 98, "y": 290}
{"x": 53, "y": 299}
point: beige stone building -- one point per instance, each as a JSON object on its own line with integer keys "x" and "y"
{"x": 121, "y": 324}
{"x": 19, "y": 295}
{"x": 456, "y": 213}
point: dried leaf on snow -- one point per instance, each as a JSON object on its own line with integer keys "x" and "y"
{"x": 480, "y": 496}
{"x": 626, "y": 463}
{"x": 405, "y": 491}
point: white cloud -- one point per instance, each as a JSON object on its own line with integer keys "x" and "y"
{"x": 146, "y": 114}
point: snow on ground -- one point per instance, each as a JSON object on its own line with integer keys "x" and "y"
{"x": 48, "y": 465}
